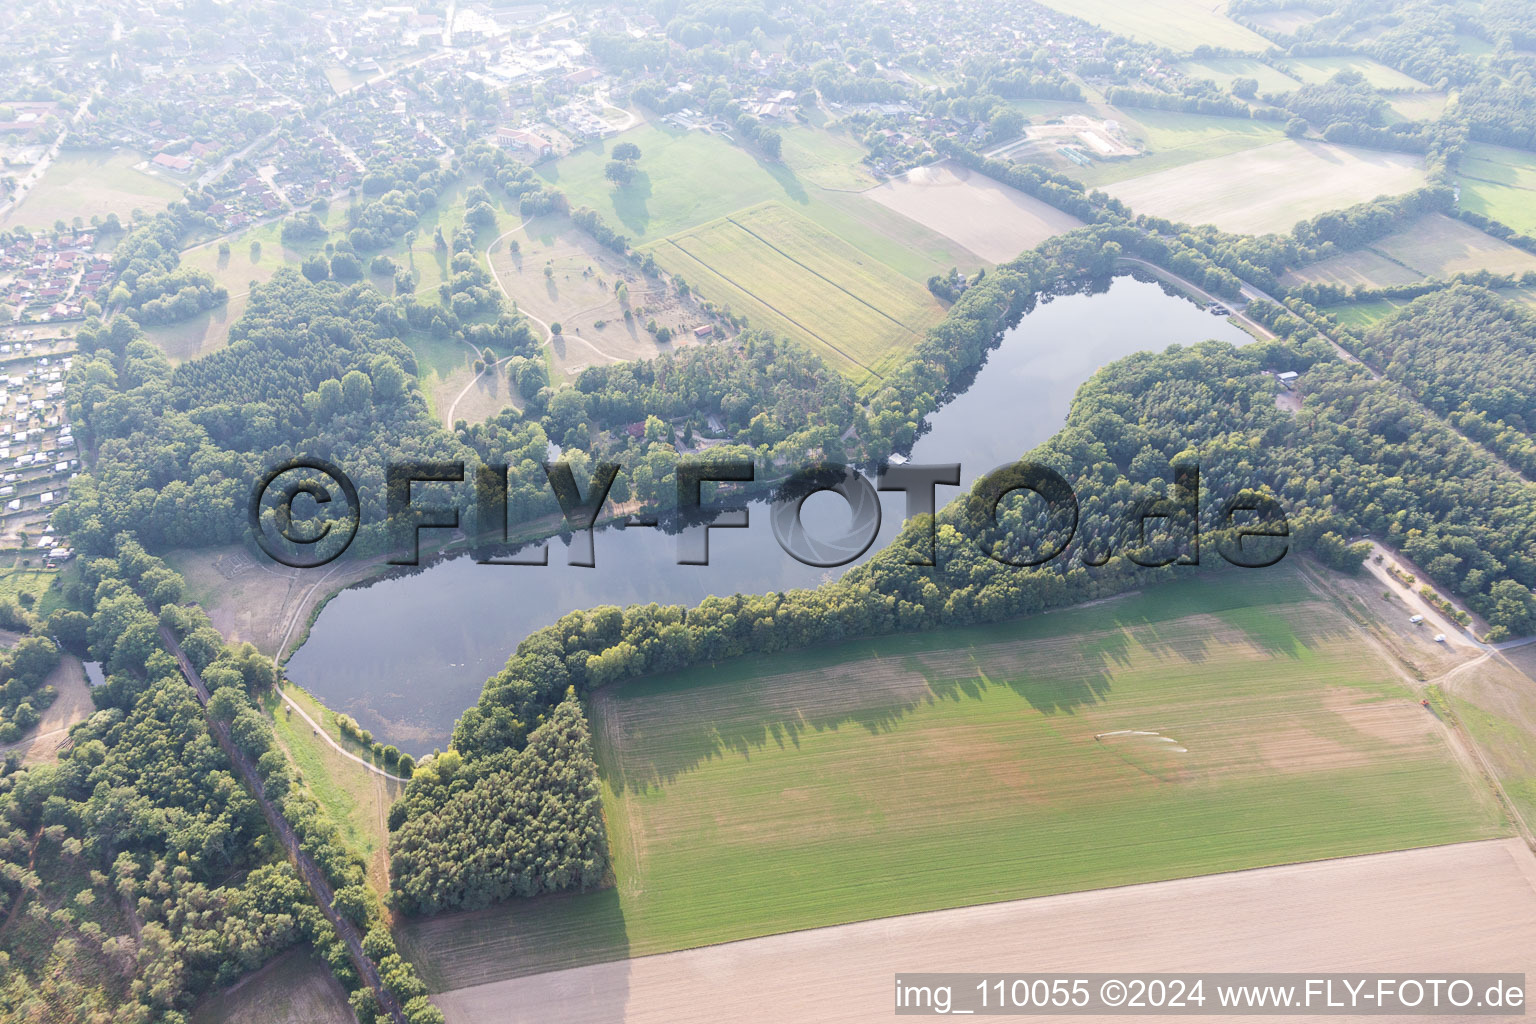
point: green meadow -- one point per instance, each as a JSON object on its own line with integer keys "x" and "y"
{"x": 1499, "y": 183}
{"x": 1213, "y": 724}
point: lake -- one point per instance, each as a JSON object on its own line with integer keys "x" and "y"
{"x": 406, "y": 654}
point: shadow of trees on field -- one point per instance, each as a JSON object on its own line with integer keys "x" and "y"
{"x": 528, "y": 936}
{"x": 873, "y": 685}
{"x": 794, "y": 191}
{"x": 631, "y": 203}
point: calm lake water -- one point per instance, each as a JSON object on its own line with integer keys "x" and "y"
{"x": 407, "y": 654}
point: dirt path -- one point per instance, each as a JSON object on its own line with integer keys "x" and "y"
{"x": 301, "y": 608}
{"x": 448, "y": 416}
{"x": 1434, "y": 618}
{"x": 308, "y": 871}
{"x": 343, "y": 751}
{"x": 251, "y": 599}
{"x": 1468, "y": 753}
{"x": 72, "y": 705}
{"x": 1469, "y": 906}
{"x": 1252, "y": 326}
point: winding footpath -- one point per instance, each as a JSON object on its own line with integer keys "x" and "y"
{"x": 548, "y": 334}
{"x": 308, "y": 870}
{"x": 320, "y": 731}
{"x": 492, "y": 368}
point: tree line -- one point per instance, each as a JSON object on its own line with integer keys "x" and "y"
{"x": 538, "y": 806}
{"x": 1361, "y": 458}
{"x": 142, "y": 870}
{"x": 1469, "y": 355}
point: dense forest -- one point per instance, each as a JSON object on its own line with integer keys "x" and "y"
{"x": 539, "y": 807}
{"x": 317, "y": 366}
{"x": 1471, "y": 356}
{"x": 1360, "y": 458}
{"x": 310, "y": 368}
{"x": 1344, "y": 97}
{"x": 137, "y": 873}
{"x": 1499, "y": 112}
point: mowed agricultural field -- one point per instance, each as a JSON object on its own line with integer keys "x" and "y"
{"x": 687, "y": 178}
{"x": 1286, "y": 19}
{"x": 1416, "y": 106}
{"x": 1365, "y": 315}
{"x": 1224, "y": 70}
{"x": 1208, "y": 725}
{"x": 1499, "y": 183}
{"x": 1468, "y": 903}
{"x": 1271, "y": 188}
{"x": 1313, "y": 70}
{"x": 991, "y": 219}
{"x": 1432, "y": 246}
{"x": 785, "y": 272}
{"x": 850, "y": 278}
{"x": 1180, "y": 25}
{"x": 1497, "y": 703}
{"x": 88, "y": 183}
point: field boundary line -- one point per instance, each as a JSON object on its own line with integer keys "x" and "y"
{"x": 1393, "y": 259}
{"x": 1457, "y": 736}
{"x": 1501, "y": 184}
{"x": 834, "y": 284}
{"x": 1029, "y": 899}
{"x": 608, "y": 738}
{"x": 770, "y": 306}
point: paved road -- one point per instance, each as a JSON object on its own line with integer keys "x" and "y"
{"x": 1237, "y": 313}
{"x": 308, "y": 870}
